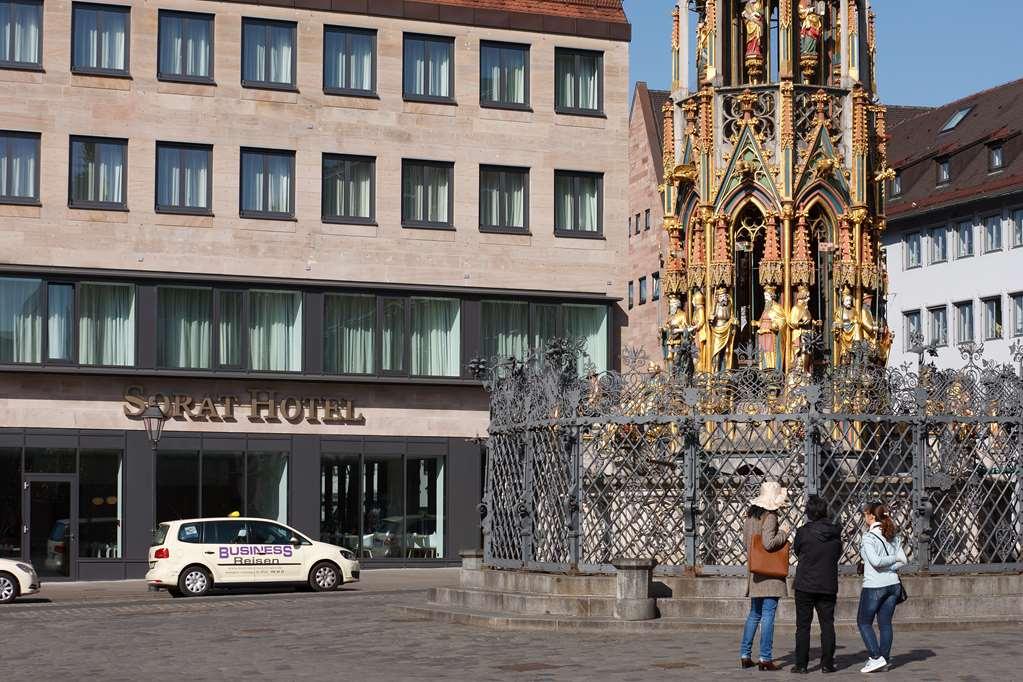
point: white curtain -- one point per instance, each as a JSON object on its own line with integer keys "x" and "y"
{"x": 98, "y": 171}
{"x": 281, "y": 53}
{"x": 100, "y": 38}
{"x": 503, "y": 74}
{"x": 20, "y": 28}
{"x": 426, "y": 193}
{"x": 269, "y": 52}
{"x": 182, "y": 174}
{"x": 18, "y": 159}
{"x": 252, "y": 182}
{"x": 21, "y": 320}
{"x": 588, "y": 323}
{"x": 428, "y": 67}
{"x": 565, "y": 83}
{"x": 279, "y": 178}
{"x": 503, "y": 198}
{"x": 436, "y": 337}
{"x": 185, "y": 45}
{"x": 577, "y": 80}
{"x": 347, "y": 187}
{"x": 184, "y": 327}
{"x": 393, "y": 333}
{"x": 350, "y": 327}
{"x": 545, "y": 325}
{"x": 349, "y": 62}
{"x": 577, "y": 202}
{"x": 60, "y": 323}
{"x": 254, "y": 59}
{"x": 229, "y": 329}
{"x": 505, "y": 329}
{"x": 275, "y": 331}
{"x": 1017, "y": 315}
{"x": 106, "y": 324}
{"x": 266, "y": 182}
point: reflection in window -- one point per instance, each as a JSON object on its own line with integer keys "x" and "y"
{"x": 21, "y": 319}
{"x": 268, "y": 52}
{"x": 223, "y": 483}
{"x": 424, "y": 508}
{"x": 266, "y": 484}
{"x": 1017, "y": 314}
{"x": 177, "y": 485}
{"x": 503, "y": 197}
{"x": 19, "y": 164}
{"x": 339, "y": 502}
{"x": 964, "y": 322}
{"x": 992, "y": 318}
{"x": 589, "y": 324}
{"x": 21, "y": 27}
{"x": 348, "y": 187}
{"x": 382, "y": 519}
{"x": 184, "y": 327}
{"x": 939, "y": 326}
{"x": 98, "y": 173}
{"x": 186, "y": 45}
{"x": 349, "y": 328}
{"x": 183, "y": 177}
{"x": 913, "y": 258}
{"x": 268, "y": 188}
{"x": 505, "y": 329}
{"x": 348, "y": 63}
{"x": 965, "y": 239}
{"x": 993, "y": 233}
{"x": 275, "y": 331}
{"x": 106, "y": 324}
{"x": 577, "y": 202}
{"x": 100, "y": 504}
{"x": 10, "y": 503}
{"x": 426, "y": 194}
{"x": 100, "y": 41}
{"x": 50, "y": 460}
{"x": 912, "y": 326}
{"x": 428, "y": 67}
{"x": 436, "y": 336}
{"x": 503, "y": 74}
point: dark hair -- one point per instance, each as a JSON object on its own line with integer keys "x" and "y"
{"x": 817, "y": 508}
{"x": 755, "y": 512}
{"x": 880, "y": 513}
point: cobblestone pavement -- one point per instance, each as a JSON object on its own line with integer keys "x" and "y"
{"x": 119, "y": 632}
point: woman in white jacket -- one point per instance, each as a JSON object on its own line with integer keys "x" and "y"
{"x": 883, "y": 556}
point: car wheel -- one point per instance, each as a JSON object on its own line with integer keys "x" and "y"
{"x": 324, "y": 577}
{"x": 195, "y": 581}
{"x": 8, "y": 588}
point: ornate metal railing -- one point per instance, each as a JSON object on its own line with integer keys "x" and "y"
{"x": 583, "y": 468}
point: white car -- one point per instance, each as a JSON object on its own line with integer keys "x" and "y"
{"x": 17, "y": 579}
{"x": 187, "y": 558}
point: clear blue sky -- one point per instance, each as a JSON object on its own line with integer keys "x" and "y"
{"x": 929, "y": 51}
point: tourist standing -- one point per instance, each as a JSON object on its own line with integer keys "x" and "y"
{"x": 883, "y": 556}
{"x": 763, "y": 591}
{"x": 818, "y": 547}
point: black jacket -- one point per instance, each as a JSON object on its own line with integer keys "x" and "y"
{"x": 818, "y": 547}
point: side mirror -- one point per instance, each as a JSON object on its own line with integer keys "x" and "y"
{"x": 295, "y": 541}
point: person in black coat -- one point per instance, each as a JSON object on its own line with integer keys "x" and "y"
{"x": 818, "y": 547}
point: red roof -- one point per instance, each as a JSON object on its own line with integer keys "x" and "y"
{"x": 602, "y": 10}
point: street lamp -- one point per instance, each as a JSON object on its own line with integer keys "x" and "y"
{"x": 153, "y": 417}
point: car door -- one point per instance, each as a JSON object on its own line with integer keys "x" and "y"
{"x": 228, "y": 552}
{"x": 277, "y": 559}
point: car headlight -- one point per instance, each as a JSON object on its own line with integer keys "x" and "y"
{"x": 347, "y": 553}
{"x": 26, "y": 568}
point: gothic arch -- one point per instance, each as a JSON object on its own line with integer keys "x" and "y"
{"x": 734, "y": 203}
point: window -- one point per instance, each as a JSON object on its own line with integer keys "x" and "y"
{"x": 897, "y": 185}
{"x": 646, "y": 220}
{"x": 106, "y": 324}
{"x": 349, "y": 61}
{"x": 996, "y": 158}
{"x": 427, "y": 193}
{"x": 1017, "y": 229}
{"x": 1017, "y": 314}
{"x": 632, "y": 295}
{"x": 349, "y": 333}
{"x": 60, "y": 323}
{"x": 944, "y": 172}
{"x": 956, "y": 119}
{"x": 964, "y": 322}
{"x": 656, "y": 294}
{"x": 911, "y": 323}
{"x": 637, "y": 223}
{"x": 630, "y": 226}
{"x": 435, "y": 337}
{"x": 504, "y": 198}
{"x": 184, "y": 178}
{"x": 268, "y": 54}
{"x": 349, "y": 189}
{"x": 100, "y": 39}
{"x": 938, "y": 324}
{"x": 939, "y": 245}
{"x": 578, "y": 81}
{"x": 588, "y": 323}
{"x": 993, "y": 234}
{"x": 579, "y": 203}
{"x": 21, "y": 30}
{"x": 394, "y": 336}
{"x": 185, "y": 47}
{"x": 21, "y": 320}
{"x": 429, "y": 68}
{"x": 913, "y": 256}
{"x": 10, "y": 503}
{"x": 99, "y": 504}
{"x": 992, "y": 318}
{"x": 99, "y": 177}
{"x": 268, "y": 187}
{"x": 184, "y": 326}
{"x": 642, "y": 290}
{"x": 275, "y": 331}
{"x": 965, "y": 239}
{"x": 504, "y": 329}
{"x": 504, "y": 75}
{"x": 19, "y": 167}
{"x": 230, "y": 328}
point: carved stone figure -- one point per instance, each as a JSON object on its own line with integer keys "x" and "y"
{"x": 769, "y": 331}
{"x": 753, "y": 15}
{"x": 847, "y": 327}
{"x": 702, "y": 52}
{"x": 699, "y": 323}
{"x": 801, "y": 323}
{"x": 677, "y": 335}
{"x": 722, "y": 333}
{"x": 810, "y": 28}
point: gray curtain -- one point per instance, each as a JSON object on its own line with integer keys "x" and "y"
{"x": 505, "y": 329}
{"x": 106, "y": 324}
{"x": 349, "y": 334}
{"x": 21, "y": 320}
{"x": 230, "y": 329}
{"x": 275, "y": 331}
{"x": 589, "y": 324}
{"x": 184, "y": 327}
{"x": 436, "y": 337}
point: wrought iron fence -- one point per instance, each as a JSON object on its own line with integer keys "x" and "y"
{"x": 583, "y": 468}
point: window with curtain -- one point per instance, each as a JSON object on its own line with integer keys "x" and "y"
{"x": 348, "y": 188}
{"x": 21, "y": 320}
{"x": 504, "y": 203}
{"x": 21, "y": 30}
{"x": 545, "y": 324}
{"x": 632, "y": 295}
{"x": 1017, "y": 314}
{"x": 230, "y": 323}
{"x": 504, "y": 75}
{"x": 578, "y": 203}
{"x": 429, "y": 67}
{"x": 275, "y": 331}
{"x": 185, "y": 46}
{"x": 268, "y": 53}
{"x": 939, "y": 246}
{"x": 436, "y": 337}
{"x": 60, "y": 323}
{"x": 184, "y": 323}
{"x": 992, "y": 318}
{"x": 911, "y": 323}
{"x": 393, "y": 335}
{"x": 964, "y": 322}
{"x": 268, "y": 184}
{"x": 427, "y": 193}
{"x": 588, "y": 323}
{"x": 1017, "y": 228}
{"x": 99, "y": 169}
{"x": 965, "y": 239}
{"x": 577, "y": 81}
{"x": 642, "y": 290}
{"x": 106, "y": 324}
{"x": 939, "y": 326}
{"x": 19, "y": 167}
{"x": 100, "y": 40}
{"x": 914, "y": 258}
{"x": 504, "y": 329}
{"x": 349, "y": 333}
{"x": 993, "y": 233}
{"x": 184, "y": 178}
{"x": 349, "y": 61}
{"x": 655, "y": 294}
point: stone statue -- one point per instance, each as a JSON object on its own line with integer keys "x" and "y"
{"x": 677, "y": 335}
{"x": 702, "y": 53}
{"x": 722, "y": 333}
{"x": 770, "y": 327}
{"x": 699, "y": 323}
{"x": 847, "y": 326}
{"x": 810, "y": 28}
{"x": 753, "y": 15}
{"x": 801, "y": 323}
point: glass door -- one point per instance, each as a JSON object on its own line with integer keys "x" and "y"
{"x": 51, "y": 524}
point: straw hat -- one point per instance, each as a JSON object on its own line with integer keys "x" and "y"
{"x": 772, "y": 496}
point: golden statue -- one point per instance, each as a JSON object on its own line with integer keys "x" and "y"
{"x": 801, "y": 323}
{"x": 699, "y": 322}
{"x": 722, "y": 333}
{"x": 847, "y": 327}
{"x": 674, "y": 334}
{"x": 878, "y": 336}
{"x": 753, "y": 15}
{"x": 770, "y": 328}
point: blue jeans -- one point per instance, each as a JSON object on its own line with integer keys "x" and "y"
{"x": 761, "y": 613}
{"x": 879, "y": 603}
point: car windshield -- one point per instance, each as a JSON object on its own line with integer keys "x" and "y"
{"x": 160, "y": 534}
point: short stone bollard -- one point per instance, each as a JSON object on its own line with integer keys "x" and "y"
{"x": 632, "y": 590}
{"x": 472, "y": 559}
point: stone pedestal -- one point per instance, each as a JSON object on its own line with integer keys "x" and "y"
{"x": 472, "y": 559}
{"x": 632, "y": 589}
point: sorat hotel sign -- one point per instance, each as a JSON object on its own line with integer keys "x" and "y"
{"x": 257, "y": 406}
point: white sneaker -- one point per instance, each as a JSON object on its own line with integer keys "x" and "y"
{"x": 874, "y": 664}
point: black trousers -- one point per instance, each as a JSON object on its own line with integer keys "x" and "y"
{"x": 806, "y": 604}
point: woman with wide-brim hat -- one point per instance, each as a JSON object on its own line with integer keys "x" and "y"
{"x": 764, "y": 592}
